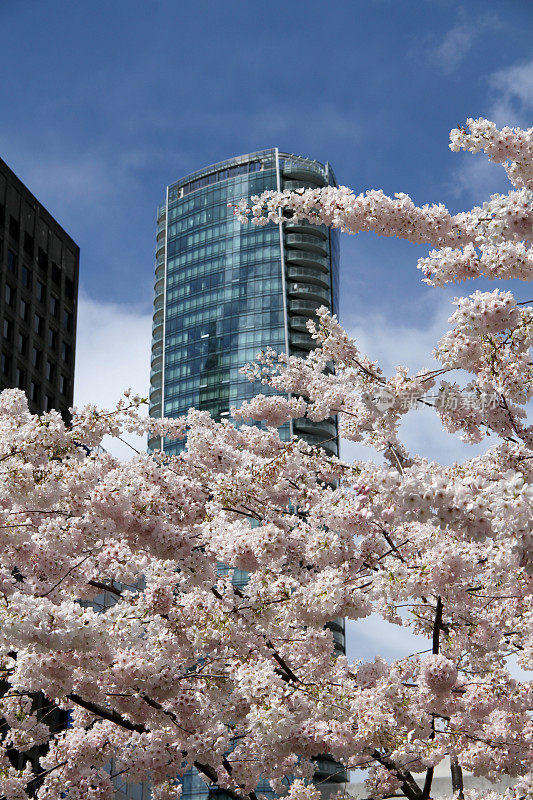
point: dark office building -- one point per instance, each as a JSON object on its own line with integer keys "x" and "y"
{"x": 39, "y": 265}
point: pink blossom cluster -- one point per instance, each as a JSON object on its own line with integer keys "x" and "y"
{"x": 493, "y": 240}
{"x": 511, "y": 147}
{"x": 113, "y": 601}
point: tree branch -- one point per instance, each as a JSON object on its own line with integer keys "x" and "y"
{"x": 118, "y": 719}
{"x": 457, "y": 778}
{"x": 410, "y": 787}
{"x": 437, "y": 626}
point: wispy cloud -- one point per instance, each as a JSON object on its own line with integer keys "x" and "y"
{"x": 450, "y": 51}
{"x": 511, "y": 104}
{"x": 392, "y": 342}
{"x": 454, "y": 46}
{"x": 477, "y": 178}
{"x": 367, "y": 638}
{"x": 513, "y": 88}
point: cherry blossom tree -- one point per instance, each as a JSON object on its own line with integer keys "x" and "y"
{"x": 186, "y": 668}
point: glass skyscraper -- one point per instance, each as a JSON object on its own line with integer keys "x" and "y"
{"x": 223, "y": 292}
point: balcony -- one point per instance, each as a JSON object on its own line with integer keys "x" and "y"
{"x": 323, "y": 429}
{"x": 157, "y": 332}
{"x": 310, "y": 173}
{"x": 155, "y": 442}
{"x": 159, "y": 286}
{"x": 299, "y": 324}
{"x": 318, "y": 231}
{"x": 306, "y": 308}
{"x": 326, "y": 768}
{"x": 305, "y": 241}
{"x": 305, "y": 292}
{"x": 308, "y": 275}
{"x": 160, "y": 249}
{"x": 157, "y": 362}
{"x": 297, "y": 186}
{"x": 304, "y": 258}
{"x": 155, "y": 397}
{"x": 336, "y": 624}
{"x": 302, "y": 341}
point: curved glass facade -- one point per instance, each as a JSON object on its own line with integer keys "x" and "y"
{"x": 223, "y": 292}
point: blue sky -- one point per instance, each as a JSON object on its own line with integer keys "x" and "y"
{"x": 105, "y": 103}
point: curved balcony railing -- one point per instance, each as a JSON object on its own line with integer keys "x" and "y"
{"x": 158, "y": 316}
{"x": 161, "y": 235}
{"x": 306, "y": 241}
{"x": 304, "y": 291}
{"x": 159, "y": 285}
{"x": 328, "y": 768}
{"x": 299, "y": 324}
{"x": 159, "y": 302}
{"x": 307, "y": 308}
{"x": 307, "y": 427}
{"x": 298, "y": 185}
{"x": 308, "y": 275}
{"x": 155, "y": 397}
{"x": 302, "y": 341}
{"x": 336, "y": 624}
{"x": 160, "y": 249}
{"x": 161, "y": 211}
{"x": 157, "y": 363}
{"x": 306, "y": 258}
{"x": 155, "y": 442}
{"x": 318, "y": 231}
{"x": 157, "y": 350}
{"x": 296, "y": 171}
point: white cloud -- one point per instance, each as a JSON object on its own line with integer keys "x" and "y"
{"x": 454, "y": 46}
{"x": 396, "y": 343}
{"x": 477, "y": 179}
{"x": 367, "y": 638}
{"x": 513, "y": 103}
{"x": 451, "y": 50}
{"x": 112, "y": 354}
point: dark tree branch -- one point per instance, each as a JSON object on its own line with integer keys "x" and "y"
{"x": 410, "y": 787}
{"x": 437, "y": 627}
{"x": 457, "y": 778}
{"x": 118, "y": 719}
